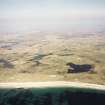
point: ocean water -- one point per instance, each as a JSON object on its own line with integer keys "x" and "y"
{"x": 52, "y": 96}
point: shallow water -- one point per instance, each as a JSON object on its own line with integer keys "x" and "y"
{"x": 51, "y": 96}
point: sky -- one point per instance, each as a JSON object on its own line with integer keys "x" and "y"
{"x": 14, "y": 13}
{"x": 51, "y": 8}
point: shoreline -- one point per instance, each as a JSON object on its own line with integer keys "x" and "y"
{"x": 55, "y": 84}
